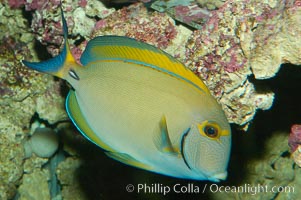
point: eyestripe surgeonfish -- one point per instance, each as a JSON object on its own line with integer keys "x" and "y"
{"x": 143, "y": 107}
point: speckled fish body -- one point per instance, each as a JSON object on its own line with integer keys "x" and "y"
{"x": 144, "y": 108}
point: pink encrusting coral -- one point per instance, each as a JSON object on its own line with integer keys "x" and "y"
{"x": 191, "y": 13}
{"x": 134, "y": 21}
{"x": 239, "y": 39}
{"x": 78, "y": 50}
{"x": 46, "y": 22}
{"x": 236, "y": 40}
{"x": 294, "y": 142}
{"x": 294, "y": 139}
{"x": 16, "y": 3}
{"x": 47, "y": 29}
{"x": 33, "y": 4}
{"x": 15, "y": 76}
{"x": 82, "y": 3}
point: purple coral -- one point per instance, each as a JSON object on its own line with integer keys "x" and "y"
{"x": 82, "y": 3}
{"x": 135, "y": 22}
{"x": 16, "y": 3}
{"x": 33, "y": 5}
{"x": 294, "y": 139}
{"x": 191, "y": 13}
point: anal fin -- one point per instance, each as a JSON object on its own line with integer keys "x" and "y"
{"x": 127, "y": 159}
{"x": 77, "y": 117}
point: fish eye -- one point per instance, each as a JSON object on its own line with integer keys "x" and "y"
{"x": 211, "y": 131}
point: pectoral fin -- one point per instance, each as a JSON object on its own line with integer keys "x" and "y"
{"x": 127, "y": 159}
{"x": 162, "y": 139}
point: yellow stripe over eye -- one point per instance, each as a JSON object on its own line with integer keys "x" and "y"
{"x": 211, "y": 130}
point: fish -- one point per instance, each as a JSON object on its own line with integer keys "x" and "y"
{"x": 143, "y": 107}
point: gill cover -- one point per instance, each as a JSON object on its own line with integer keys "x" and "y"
{"x": 212, "y": 152}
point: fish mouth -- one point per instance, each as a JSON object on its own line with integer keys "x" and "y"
{"x": 215, "y": 177}
{"x": 218, "y": 176}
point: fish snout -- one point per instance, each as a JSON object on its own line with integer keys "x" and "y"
{"x": 218, "y": 176}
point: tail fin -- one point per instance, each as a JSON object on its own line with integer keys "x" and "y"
{"x": 55, "y": 66}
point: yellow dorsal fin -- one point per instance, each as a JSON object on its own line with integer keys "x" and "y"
{"x": 129, "y": 50}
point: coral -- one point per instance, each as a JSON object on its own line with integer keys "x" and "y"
{"x": 223, "y": 53}
{"x": 40, "y": 170}
{"x": 187, "y": 12}
{"x": 134, "y": 21}
{"x": 294, "y": 142}
{"x": 67, "y": 174}
{"x": 211, "y": 4}
{"x": 95, "y": 8}
{"x": 46, "y": 21}
{"x": 154, "y": 28}
{"x": 273, "y": 169}
{"x": 164, "y": 5}
{"x": 16, "y": 3}
{"x": 37, "y": 179}
{"x": 11, "y": 158}
{"x": 296, "y": 155}
{"x": 294, "y": 139}
{"x": 20, "y": 92}
{"x": 280, "y": 42}
{"x": 17, "y": 106}
{"x": 43, "y": 143}
{"x": 34, "y": 4}
{"x": 82, "y": 3}
{"x": 236, "y": 40}
{"x": 51, "y": 105}
{"x": 293, "y": 193}
{"x": 11, "y": 21}
{"x": 234, "y": 43}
